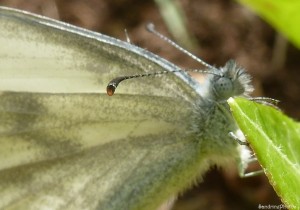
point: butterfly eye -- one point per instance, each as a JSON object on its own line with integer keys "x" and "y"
{"x": 224, "y": 87}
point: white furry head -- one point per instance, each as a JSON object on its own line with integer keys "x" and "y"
{"x": 230, "y": 81}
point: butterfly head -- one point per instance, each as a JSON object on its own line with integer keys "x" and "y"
{"x": 230, "y": 81}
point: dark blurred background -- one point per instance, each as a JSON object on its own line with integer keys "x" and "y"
{"x": 221, "y": 30}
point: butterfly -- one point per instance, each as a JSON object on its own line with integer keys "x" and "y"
{"x": 65, "y": 144}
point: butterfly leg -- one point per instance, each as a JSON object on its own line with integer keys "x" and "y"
{"x": 246, "y": 158}
{"x": 266, "y": 101}
{"x": 238, "y": 140}
{"x": 243, "y": 169}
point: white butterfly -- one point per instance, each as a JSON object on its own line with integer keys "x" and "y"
{"x": 65, "y": 144}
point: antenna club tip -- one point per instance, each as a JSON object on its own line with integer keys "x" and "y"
{"x": 150, "y": 26}
{"x": 110, "y": 89}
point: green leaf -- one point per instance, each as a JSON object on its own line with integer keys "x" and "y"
{"x": 275, "y": 139}
{"x": 284, "y": 15}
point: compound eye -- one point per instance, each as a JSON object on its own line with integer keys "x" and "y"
{"x": 224, "y": 87}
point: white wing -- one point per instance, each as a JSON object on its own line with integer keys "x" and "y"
{"x": 43, "y": 55}
{"x": 65, "y": 144}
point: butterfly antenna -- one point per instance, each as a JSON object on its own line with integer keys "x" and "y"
{"x": 151, "y": 28}
{"x": 127, "y": 36}
{"x": 113, "y": 84}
